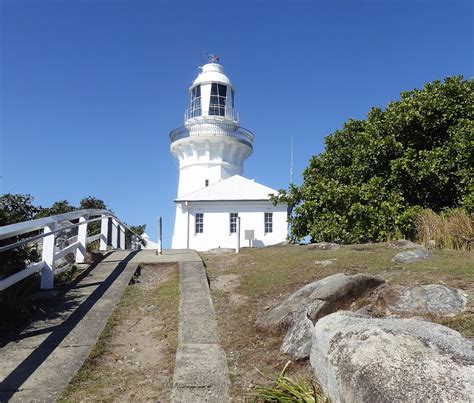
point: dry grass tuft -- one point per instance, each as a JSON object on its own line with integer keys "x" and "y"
{"x": 453, "y": 229}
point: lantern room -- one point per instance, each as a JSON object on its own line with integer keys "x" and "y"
{"x": 212, "y": 94}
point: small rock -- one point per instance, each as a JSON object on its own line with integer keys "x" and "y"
{"x": 403, "y": 244}
{"x": 323, "y": 263}
{"x": 323, "y": 246}
{"x": 412, "y": 256}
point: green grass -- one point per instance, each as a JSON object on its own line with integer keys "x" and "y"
{"x": 274, "y": 269}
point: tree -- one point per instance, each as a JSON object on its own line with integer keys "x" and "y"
{"x": 91, "y": 202}
{"x": 59, "y": 207}
{"x": 16, "y": 208}
{"x": 373, "y": 173}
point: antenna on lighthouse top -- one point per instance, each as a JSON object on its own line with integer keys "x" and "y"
{"x": 291, "y": 166}
{"x": 202, "y": 57}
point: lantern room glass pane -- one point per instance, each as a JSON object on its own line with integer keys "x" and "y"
{"x": 195, "y": 105}
{"x": 218, "y": 99}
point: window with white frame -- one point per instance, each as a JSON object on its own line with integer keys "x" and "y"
{"x": 195, "y": 106}
{"x": 233, "y": 222}
{"x": 218, "y": 98}
{"x": 199, "y": 223}
{"x": 268, "y": 222}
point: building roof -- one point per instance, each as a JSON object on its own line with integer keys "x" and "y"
{"x": 234, "y": 188}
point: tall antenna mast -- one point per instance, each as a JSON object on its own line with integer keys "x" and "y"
{"x": 291, "y": 166}
{"x": 202, "y": 57}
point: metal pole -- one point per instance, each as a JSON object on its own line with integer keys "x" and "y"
{"x": 237, "y": 249}
{"x": 160, "y": 236}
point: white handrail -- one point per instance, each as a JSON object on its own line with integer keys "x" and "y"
{"x": 24, "y": 227}
{"x": 50, "y": 254}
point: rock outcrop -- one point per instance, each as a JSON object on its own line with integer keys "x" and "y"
{"x": 298, "y": 312}
{"x": 359, "y": 358}
{"x": 425, "y": 300}
{"x": 323, "y": 246}
{"x": 411, "y": 256}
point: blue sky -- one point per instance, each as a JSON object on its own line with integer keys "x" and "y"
{"x": 91, "y": 89}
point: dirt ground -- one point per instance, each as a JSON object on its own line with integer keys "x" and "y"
{"x": 134, "y": 359}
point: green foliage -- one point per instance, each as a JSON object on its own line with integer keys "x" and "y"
{"x": 374, "y": 174}
{"x": 91, "y": 202}
{"x": 59, "y": 207}
{"x": 137, "y": 230}
{"x": 16, "y": 208}
{"x": 285, "y": 389}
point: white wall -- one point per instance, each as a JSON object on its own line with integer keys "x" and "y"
{"x": 217, "y": 224}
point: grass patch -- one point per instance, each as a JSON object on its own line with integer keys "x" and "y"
{"x": 464, "y": 324}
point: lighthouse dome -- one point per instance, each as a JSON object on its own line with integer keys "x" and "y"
{"x": 212, "y": 73}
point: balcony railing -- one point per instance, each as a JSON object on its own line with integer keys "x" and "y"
{"x": 215, "y": 112}
{"x": 206, "y": 129}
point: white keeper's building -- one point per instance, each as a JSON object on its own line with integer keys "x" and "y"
{"x": 210, "y": 149}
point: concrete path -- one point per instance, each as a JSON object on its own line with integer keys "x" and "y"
{"x": 41, "y": 362}
{"x": 44, "y": 358}
{"x": 201, "y": 373}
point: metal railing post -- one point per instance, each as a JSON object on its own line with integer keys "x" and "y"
{"x": 122, "y": 237}
{"x": 47, "y": 275}
{"x": 237, "y": 247}
{"x": 160, "y": 236}
{"x": 104, "y": 233}
{"x": 81, "y": 238}
{"x": 114, "y": 240}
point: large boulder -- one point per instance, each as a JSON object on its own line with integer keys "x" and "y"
{"x": 424, "y": 300}
{"x": 315, "y": 299}
{"x": 298, "y": 312}
{"x": 411, "y": 256}
{"x": 363, "y": 359}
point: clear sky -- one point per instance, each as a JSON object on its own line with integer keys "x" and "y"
{"x": 91, "y": 89}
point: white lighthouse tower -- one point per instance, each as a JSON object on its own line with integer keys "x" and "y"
{"x": 211, "y": 145}
{"x": 210, "y": 148}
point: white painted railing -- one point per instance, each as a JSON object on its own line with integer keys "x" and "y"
{"x": 49, "y": 227}
{"x": 215, "y": 112}
{"x": 208, "y": 129}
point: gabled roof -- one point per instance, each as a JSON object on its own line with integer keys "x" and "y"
{"x": 234, "y": 188}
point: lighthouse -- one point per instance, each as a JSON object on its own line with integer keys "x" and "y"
{"x": 210, "y": 150}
